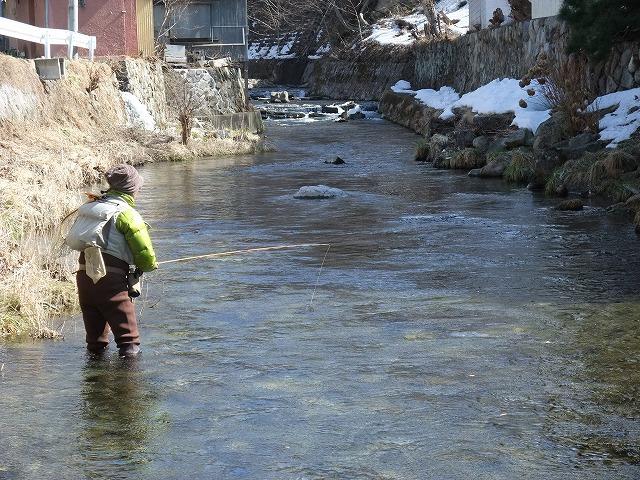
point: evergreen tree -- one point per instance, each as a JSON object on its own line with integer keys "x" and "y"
{"x": 597, "y": 24}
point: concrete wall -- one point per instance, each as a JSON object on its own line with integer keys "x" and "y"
{"x": 473, "y": 60}
{"x": 545, "y": 8}
{"x": 481, "y": 11}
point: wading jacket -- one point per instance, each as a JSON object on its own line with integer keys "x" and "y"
{"x": 124, "y": 235}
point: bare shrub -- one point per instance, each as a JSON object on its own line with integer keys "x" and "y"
{"x": 520, "y": 10}
{"x": 564, "y": 87}
{"x": 497, "y": 19}
{"x": 172, "y": 11}
{"x": 95, "y": 73}
{"x": 182, "y": 101}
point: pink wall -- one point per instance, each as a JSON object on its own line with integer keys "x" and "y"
{"x": 112, "y": 22}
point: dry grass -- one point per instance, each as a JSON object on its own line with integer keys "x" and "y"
{"x": 69, "y": 139}
{"x": 522, "y": 167}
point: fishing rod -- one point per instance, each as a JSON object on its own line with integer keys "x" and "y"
{"x": 246, "y": 251}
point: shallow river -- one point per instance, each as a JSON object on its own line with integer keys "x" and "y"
{"x": 461, "y": 328}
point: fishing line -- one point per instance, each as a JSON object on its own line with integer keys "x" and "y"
{"x": 240, "y": 252}
{"x": 315, "y": 289}
{"x": 233, "y": 253}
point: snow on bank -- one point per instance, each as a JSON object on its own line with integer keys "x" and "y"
{"x": 504, "y": 95}
{"x": 498, "y": 96}
{"x": 625, "y": 121}
{"x": 137, "y": 114}
{"x": 388, "y": 31}
{"x": 277, "y": 51}
{"x": 318, "y": 192}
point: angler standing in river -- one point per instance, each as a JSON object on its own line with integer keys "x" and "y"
{"x": 115, "y": 250}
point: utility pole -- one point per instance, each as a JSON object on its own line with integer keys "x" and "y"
{"x": 46, "y": 13}
{"x": 246, "y": 53}
{"x": 73, "y": 24}
{"x": 73, "y": 15}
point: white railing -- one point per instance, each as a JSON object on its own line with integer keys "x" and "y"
{"x": 47, "y": 37}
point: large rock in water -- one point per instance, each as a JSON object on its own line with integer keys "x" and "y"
{"x": 280, "y": 97}
{"x": 496, "y": 166}
{"x": 318, "y": 192}
{"x": 405, "y": 110}
{"x": 336, "y": 161}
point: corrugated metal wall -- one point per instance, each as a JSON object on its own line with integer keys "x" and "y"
{"x": 144, "y": 19}
{"x": 545, "y": 8}
{"x": 228, "y": 20}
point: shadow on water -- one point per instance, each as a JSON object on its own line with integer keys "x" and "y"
{"x": 595, "y": 408}
{"x": 117, "y": 425}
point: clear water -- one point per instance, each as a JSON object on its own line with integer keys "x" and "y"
{"x": 461, "y": 328}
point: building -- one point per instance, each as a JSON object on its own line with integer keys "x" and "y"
{"x": 545, "y": 8}
{"x": 481, "y": 11}
{"x": 121, "y": 27}
{"x": 207, "y": 28}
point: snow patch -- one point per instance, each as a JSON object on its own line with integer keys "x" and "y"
{"x": 502, "y": 96}
{"x": 388, "y": 32}
{"x": 137, "y": 114}
{"x": 14, "y": 103}
{"x": 625, "y": 121}
{"x": 280, "y": 50}
{"x": 402, "y": 87}
{"x": 318, "y": 192}
{"x": 438, "y": 99}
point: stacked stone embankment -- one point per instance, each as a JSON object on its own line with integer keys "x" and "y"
{"x": 467, "y": 62}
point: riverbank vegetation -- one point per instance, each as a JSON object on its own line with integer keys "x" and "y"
{"x": 57, "y": 138}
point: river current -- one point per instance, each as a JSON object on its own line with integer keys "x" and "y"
{"x": 460, "y": 328}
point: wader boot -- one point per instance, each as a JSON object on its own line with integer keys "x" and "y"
{"x": 107, "y": 308}
{"x": 129, "y": 351}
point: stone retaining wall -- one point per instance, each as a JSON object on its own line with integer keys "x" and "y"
{"x": 473, "y": 60}
{"x": 363, "y": 76}
{"x": 219, "y": 90}
{"x": 145, "y": 80}
{"x": 467, "y": 62}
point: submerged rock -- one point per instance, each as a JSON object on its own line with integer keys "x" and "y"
{"x": 318, "y": 192}
{"x": 336, "y": 161}
{"x": 573, "y": 205}
{"x": 332, "y": 109}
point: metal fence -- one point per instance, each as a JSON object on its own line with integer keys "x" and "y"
{"x": 47, "y": 36}
{"x": 243, "y": 121}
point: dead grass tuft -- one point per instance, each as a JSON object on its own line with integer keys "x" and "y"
{"x": 72, "y": 138}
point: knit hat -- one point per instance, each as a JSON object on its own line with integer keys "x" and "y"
{"x": 125, "y": 179}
